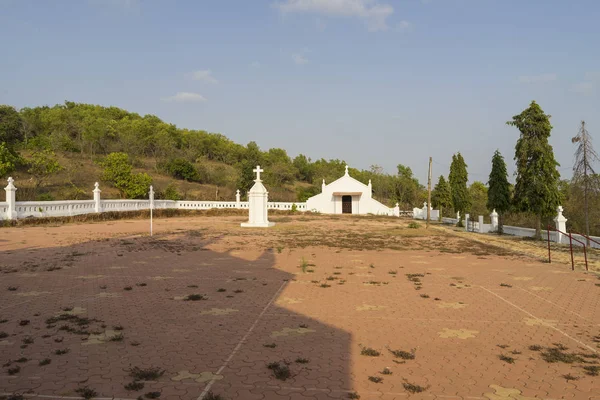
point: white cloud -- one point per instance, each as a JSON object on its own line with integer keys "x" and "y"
{"x": 372, "y": 12}
{"x": 404, "y": 26}
{"x": 299, "y": 59}
{"x": 185, "y": 97}
{"x": 204, "y": 76}
{"x": 583, "y": 88}
{"x": 255, "y": 64}
{"x": 538, "y": 78}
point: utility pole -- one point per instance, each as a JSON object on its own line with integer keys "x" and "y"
{"x": 429, "y": 194}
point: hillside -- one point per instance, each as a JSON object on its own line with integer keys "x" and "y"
{"x": 69, "y": 142}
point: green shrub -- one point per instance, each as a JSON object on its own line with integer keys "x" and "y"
{"x": 45, "y": 197}
{"x": 181, "y": 168}
{"x": 171, "y": 193}
{"x": 118, "y": 172}
{"x": 413, "y": 225}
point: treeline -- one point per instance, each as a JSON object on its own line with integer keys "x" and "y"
{"x": 538, "y": 190}
{"x": 31, "y": 138}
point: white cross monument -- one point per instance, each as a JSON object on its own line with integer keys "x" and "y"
{"x": 257, "y": 199}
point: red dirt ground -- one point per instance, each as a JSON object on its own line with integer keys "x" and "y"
{"x": 353, "y": 294}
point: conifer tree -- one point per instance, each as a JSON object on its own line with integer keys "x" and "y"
{"x": 441, "y": 196}
{"x": 498, "y": 188}
{"x": 458, "y": 177}
{"x": 536, "y": 188}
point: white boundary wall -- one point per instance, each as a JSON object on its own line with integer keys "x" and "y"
{"x": 12, "y": 209}
{"x": 557, "y": 237}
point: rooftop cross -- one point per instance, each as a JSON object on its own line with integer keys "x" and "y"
{"x": 258, "y": 170}
{"x": 346, "y": 170}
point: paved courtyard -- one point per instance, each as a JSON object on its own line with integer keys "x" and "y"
{"x": 314, "y": 308}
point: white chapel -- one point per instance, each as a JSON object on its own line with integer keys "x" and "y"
{"x": 347, "y": 195}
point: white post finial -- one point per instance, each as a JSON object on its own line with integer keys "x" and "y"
{"x": 257, "y": 171}
{"x": 97, "y": 202}
{"x": 346, "y": 173}
{"x": 561, "y": 224}
{"x": 11, "y": 211}
{"x": 494, "y": 219}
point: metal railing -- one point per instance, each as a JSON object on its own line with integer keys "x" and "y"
{"x": 571, "y": 238}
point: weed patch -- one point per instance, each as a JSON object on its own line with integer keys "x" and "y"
{"x": 14, "y": 370}
{"x": 556, "y": 355}
{"x": 405, "y": 355}
{"x": 280, "y": 370}
{"x": 195, "y": 297}
{"x": 134, "y": 386}
{"x": 412, "y": 388}
{"x": 592, "y": 370}
{"x": 368, "y": 351}
{"x": 506, "y": 359}
{"x": 86, "y": 392}
{"x": 147, "y": 374}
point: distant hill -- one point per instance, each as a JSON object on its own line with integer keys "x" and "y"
{"x": 195, "y": 163}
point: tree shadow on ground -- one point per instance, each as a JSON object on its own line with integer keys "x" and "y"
{"x": 210, "y": 319}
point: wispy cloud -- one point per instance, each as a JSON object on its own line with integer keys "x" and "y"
{"x": 185, "y": 97}
{"x": 204, "y": 76}
{"x": 299, "y": 59}
{"x": 583, "y": 87}
{"x": 538, "y": 78}
{"x": 255, "y": 64}
{"x": 372, "y": 12}
{"x": 404, "y": 26}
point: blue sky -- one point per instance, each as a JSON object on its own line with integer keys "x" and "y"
{"x": 368, "y": 81}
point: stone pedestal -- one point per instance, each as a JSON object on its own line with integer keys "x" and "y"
{"x": 11, "y": 212}
{"x": 257, "y": 199}
{"x": 494, "y": 218}
{"x": 561, "y": 224}
{"x": 97, "y": 204}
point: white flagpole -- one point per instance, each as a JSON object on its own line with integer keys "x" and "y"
{"x": 151, "y": 195}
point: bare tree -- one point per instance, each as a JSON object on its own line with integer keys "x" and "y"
{"x": 585, "y": 157}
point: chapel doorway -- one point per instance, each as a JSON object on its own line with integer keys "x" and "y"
{"x": 346, "y": 204}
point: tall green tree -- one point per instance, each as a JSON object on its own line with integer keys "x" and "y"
{"x": 583, "y": 170}
{"x": 536, "y": 188}
{"x": 10, "y": 126}
{"x": 441, "y": 197}
{"x": 478, "y": 194}
{"x": 119, "y": 172}
{"x": 42, "y": 165}
{"x": 458, "y": 177}
{"x": 499, "y": 189}
{"x": 8, "y": 160}
{"x": 253, "y": 157}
